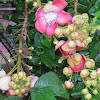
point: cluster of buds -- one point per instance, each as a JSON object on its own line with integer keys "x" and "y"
{"x": 91, "y": 79}
{"x": 16, "y": 85}
{"x": 20, "y": 84}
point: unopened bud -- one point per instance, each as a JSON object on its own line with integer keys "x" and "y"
{"x": 67, "y": 71}
{"x": 93, "y": 74}
{"x": 72, "y": 27}
{"x": 35, "y": 4}
{"x": 72, "y": 44}
{"x": 84, "y": 73}
{"x": 68, "y": 84}
{"x": 74, "y": 35}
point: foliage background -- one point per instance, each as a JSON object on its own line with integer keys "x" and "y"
{"x": 45, "y": 59}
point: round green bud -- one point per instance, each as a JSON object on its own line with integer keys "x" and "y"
{"x": 84, "y": 31}
{"x": 22, "y": 90}
{"x": 95, "y": 92}
{"x": 89, "y": 39}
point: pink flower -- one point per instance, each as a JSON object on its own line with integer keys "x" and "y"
{"x": 76, "y": 62}
{"x": 49, "y": 16}
{"x": 67, "y": 48}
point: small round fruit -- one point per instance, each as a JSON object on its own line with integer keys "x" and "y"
{"x": 93, "y": 74}
{"x": 84, "y": 73}
{"x": 67, "y": 71}
{"x": 22, "y": 90}
{"x": 95, "y": 92}
{"x": 88, "y": 96}
{"x": 94, "y": 83}
{"x": 85, "y": 91}
{"x": 68, "y": 84}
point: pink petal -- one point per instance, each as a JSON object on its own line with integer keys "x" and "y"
{"x": 39, "y": 13}
{"x": 59, "y": 44}
{"x": 61, "y": 4}
{"x": 41, "y": 25}
{"x": 2, "y": 48}
{"x": 63, "y": 18}
{"x": 51, "y": 29}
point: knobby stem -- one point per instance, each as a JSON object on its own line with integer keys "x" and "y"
{"x": 39, "y": 2}
{"x": 21, "y": 37}
{"x": 75, "y": 6}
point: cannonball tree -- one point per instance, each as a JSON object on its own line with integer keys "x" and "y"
{"x": 55, "y": 50}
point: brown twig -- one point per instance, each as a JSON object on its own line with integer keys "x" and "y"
{"x": 21, "y": 36}
{"x": 75, "y": 6}
{"x": 6, "y": 60}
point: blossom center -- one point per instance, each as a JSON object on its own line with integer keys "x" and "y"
{"x": 50, "y": 17}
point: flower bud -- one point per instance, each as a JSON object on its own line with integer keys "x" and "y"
{"x": 59, "y": 61}
{"x": 27, "y": 84}
{"x": 68, "y": 84}
{"x": 14, "y": 86}
{"x": 95, "y": 92}
{"x": 74, "y": 35}
{"x": 88, "y": 96}
{"x": 67, "y": 71}
{"x": 94, "y": 83}
{"x": 72, "y": 44}
{"x": 72, "y": 27}
{"x": 17, "y": 91}
{"x": 14, "y": 76}
{"x": 22, "y": 90}
{"x": 20, "y": 51}
{"x": 77, "y": 57}
{"x": 11, "y": 84}
{"x": 29, "y": 79}
{"x": 29, "y": 57}
{"x": 2, "y": 73}
{"x": 21, "y": 75}
{"x": 93, "y": 74}
{"x": 35, "y": 4}
{"x": 78, "y": 20}
{"x": 85, "y": 91}
{"x": 31, "y": 48}
{"x": 58, "y": 32}
{"x": 66, "y": 31}
{"x": 90, "y": 63}
{"x": 88, "y": 83}
{"x": 98, "y": 71}
{"x": 84, "y": 73}
{"x": 55, "y": 42}
{"x": 98, "y": 27}
{"x": 89, "y": 39}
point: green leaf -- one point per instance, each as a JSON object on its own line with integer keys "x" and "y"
{"x": 35, "y": 61}
{"x": 46, "y": 43}
{"x": 38, "y": 40}
{"x": 4, "y": 1}
{"x": 92, "y": 10}
{"x": 47, "y": 87}
{"x": 1, "y": 26}
{"x": 1, "y": 66}
{"x": 16, "y": 17}
{"x": 97, "y": 14}
{"x": 46, "y": 60}
{"x": 5, "y": 16}
{"x": 32, "y": 33}
{"x": 20, "y": 6}
{"x": 97, "y": 4}
{"x": 14, "y": 98}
